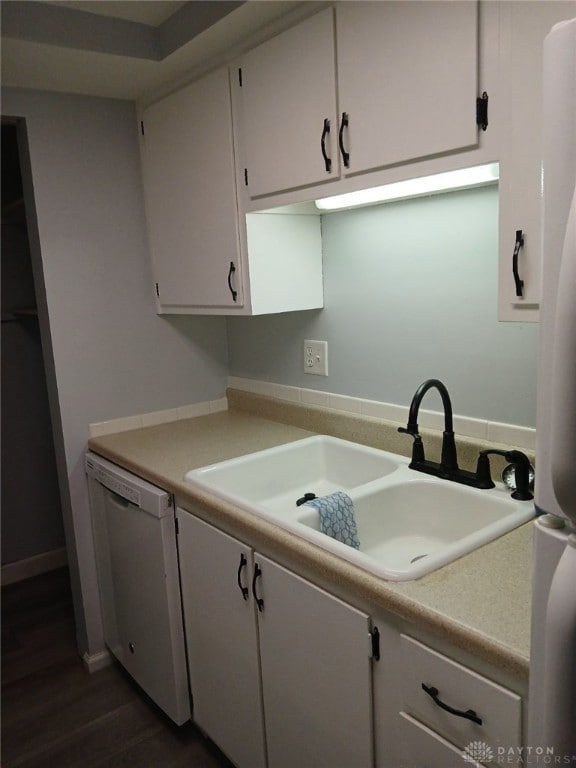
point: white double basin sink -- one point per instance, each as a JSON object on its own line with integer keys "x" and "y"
{"x": 409, "y": 524}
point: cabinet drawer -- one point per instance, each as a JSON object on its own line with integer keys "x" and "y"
{"x": 422, "y": 748}
{"x": 499, "y": 709}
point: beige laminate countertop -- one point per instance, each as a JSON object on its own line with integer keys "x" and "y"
{"x": 480, "y": 603}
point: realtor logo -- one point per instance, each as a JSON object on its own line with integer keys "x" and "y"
{"x": 478, "y": 752}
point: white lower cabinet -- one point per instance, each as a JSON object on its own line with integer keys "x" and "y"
{"x": 433, "y": 712}
{"x": 457, "y": 703}
{"x": 316, "y": 674}
{"x": 221, "y": 640}
{"x": 277, "y": 665}
{"x": 424, "y": 748}
{"x": 283, "y": 674}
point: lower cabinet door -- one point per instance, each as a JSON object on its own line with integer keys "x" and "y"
{"x": 423, "y": 748}
{"x": 442, "y": 693}
{"x": 316, "y": 674}
{"x": 221, "y": 640}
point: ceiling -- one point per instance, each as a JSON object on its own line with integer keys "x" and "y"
{"x": 131, "y": 49}
{"x": 151, "y": 12}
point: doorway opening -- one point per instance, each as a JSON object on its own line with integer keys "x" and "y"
{"x": 32, "y": 526}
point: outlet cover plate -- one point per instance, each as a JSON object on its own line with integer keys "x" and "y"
{"x": 316, "y": 357}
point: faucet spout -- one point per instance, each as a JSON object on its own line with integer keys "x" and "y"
{"x": 448, "y": 462}
{"x": 419, "y": 396}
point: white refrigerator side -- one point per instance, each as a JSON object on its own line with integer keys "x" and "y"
{"x": 559, "y": 180}
{"x": 564, "y": 368}
{"x": 552, "y": 696}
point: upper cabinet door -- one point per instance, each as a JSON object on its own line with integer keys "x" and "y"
{"x": 190, "y": 194}
{"x": 288, "y": 94}
{"x": 407, "y": 79}
{"x": 523, "y": 29}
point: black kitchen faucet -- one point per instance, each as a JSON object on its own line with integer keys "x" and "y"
{"x": 448, "y": 468}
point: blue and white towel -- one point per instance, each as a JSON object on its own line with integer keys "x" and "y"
{"x": 337, "y": 518}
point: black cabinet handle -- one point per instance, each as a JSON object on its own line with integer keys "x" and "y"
{"x": 325, "y": 132}
{"x": 243, "y": 589}
{"x": 469, "y": 714}
{"x": 343, "y": 124}
{"x": 519, "y": 244}
{"x": 230, "y": 273}
{"x": 257, "y": 574}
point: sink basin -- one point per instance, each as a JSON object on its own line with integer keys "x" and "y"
{"x": 272, "y": 480}
{"x": 409, "y": 524}
{"x": 410, "y": 527}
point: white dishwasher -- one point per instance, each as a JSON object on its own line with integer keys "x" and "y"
{"x": 135, "y": 543}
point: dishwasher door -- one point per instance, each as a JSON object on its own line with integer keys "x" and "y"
{"x": 139, "y": 586}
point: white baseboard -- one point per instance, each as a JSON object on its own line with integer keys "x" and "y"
{"x": 33, "y": 566}
{"x": 94, "y": 662}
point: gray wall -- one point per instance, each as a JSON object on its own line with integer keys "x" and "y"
{"x": 108, "y": 353}
{"x": 410, "y": 294}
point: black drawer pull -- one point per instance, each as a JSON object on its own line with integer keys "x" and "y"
{"x": 469, "y": 714}
{"x": 230, "y": 273}
{"x": 325, "y": 132}
{"x": 343, "y": 124}
{"x": 243, "y": 589}
{"x": 259, "y": 601}
{"x": 518, "y": 244}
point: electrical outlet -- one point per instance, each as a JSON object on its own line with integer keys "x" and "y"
{"x": 316, "y": 357}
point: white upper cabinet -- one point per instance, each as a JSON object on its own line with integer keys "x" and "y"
{"x": 407, "y": 80}
{"x": 524, "y": 25}
{"x": 190, "y": 195}
{"x": 288, "y": 94}
{"x": 362, "y": 87}
{"x": 207, "y": 257}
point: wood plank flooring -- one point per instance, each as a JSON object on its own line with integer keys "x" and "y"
{"x": 56, "y": 715}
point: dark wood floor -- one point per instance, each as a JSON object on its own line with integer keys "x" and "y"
{"x": 56, "y": 715}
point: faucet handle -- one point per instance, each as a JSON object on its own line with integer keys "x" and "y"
{"x": 521, "y": 466}
{"x": 483, "y": 475}
{"x": 417, "y": 446}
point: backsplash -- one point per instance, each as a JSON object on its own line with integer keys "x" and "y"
{"x": 410, "y": 294}
{"x": 126, "y": 423}
{"x": 464, "y": 427}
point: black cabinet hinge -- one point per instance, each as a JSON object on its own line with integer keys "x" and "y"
{"x": 142, "y": 127}
{"x": 176, "y": 525}
{"x": 482, "y": 111}
{"x": 375, "y": 643}
{"x": 157, "y": 290}
{"x": 246, "y": 177}
{"x": 240, "y": 77}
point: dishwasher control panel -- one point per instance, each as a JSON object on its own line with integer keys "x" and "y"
{"x": 133, "y": 489}
{"x": 117, "y": 486}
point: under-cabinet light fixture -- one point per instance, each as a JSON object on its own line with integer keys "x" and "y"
{"x": 479, "y": 175}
